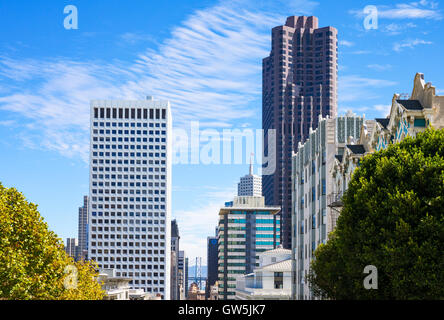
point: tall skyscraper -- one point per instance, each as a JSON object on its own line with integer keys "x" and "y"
{"x": 186, "y": 277}
{"x": 211, "y": 264}
{"x": 83, "y": 230}
{"x": 299, "y": 85}
{"x": 174, "y": 260}
{"x": 182, "y": 286}
{"x": 250, "y": 185}
{"x": 246, "y": 228}
{"x": 72, "y": 247}
{"x": 130, "y": 191}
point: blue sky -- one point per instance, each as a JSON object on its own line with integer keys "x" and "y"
{"x": 203, "y": 56}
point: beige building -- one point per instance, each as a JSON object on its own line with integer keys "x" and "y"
{"x": 195, "y": 293}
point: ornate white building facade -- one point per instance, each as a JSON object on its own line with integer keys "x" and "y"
{"x": 318, "y": 186}
{"x": 312, "y": 187}
{"x": 407, "y": 117}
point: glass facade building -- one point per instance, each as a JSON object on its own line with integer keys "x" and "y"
{"x": 246, "y": 228}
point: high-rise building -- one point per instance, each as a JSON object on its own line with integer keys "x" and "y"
{"x": 72, "y": 247}
{"x": 83, "y": 230}
{"x": 174, "y": 260}
{"x": 130, "y": 191}
{"x": 313, "y": 183}
{"x": 211, "y": 264}
{"x": 250, "y": 185}
{"x": 299, "y": 86}
{"x": 246, "y": 228}
{"x": 182, "y": 286}
{"x": 186, "y": 277}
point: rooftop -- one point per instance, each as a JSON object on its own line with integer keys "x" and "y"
{"x": 356, "y": 148}
{"x": 383, "y": 121}
{"x": 410, "y": 104}
{"x": 248, "y": 203}
{"x": 276, "y": 251}
{"x": 339, "y": 157}
{"x": 277, "y": 267}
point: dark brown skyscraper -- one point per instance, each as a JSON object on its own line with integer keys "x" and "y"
{"x": 299, "y": 84}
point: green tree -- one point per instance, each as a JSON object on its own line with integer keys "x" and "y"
{"x": 392, "y": 218}
{"x": 33, "y": 259}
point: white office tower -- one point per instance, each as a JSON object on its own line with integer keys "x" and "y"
{"x": 250, "y": 185}
{"x": 130, "y": 191}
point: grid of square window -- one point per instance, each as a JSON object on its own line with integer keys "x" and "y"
{"x": 129, "y": 185}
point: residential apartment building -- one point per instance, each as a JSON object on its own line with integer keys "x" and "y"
{"x": 130, "y": 191}
{"x": 299, "y": 86}
{"x": 246, "y": 227}
{"x": 270, "y": 281}
{"x": 312, "y": 184}
{"x": 83, "y": 230}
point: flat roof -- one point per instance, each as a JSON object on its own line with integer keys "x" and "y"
{"x": 273, "y": 210}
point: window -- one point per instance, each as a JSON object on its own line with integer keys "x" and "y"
{"x": 278, "y": 280}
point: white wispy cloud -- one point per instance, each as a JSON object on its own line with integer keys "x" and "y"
{"x": 59, "y": 104}
{"x": 397, "y": 28}
{"x": 379, "y": 67}
{"x": 7, "y": 123}
{"x": 383, "y": 109}
{"x": 409, "y": 43}
{"x": 133, "y": 38}
{"x": 412, "y": 10}
{"x": 209, "y": 68}
{"x": 355, "y": 87}
{"x": 359, "y": 52}
{"x": 346, "y": 43}
{"x": 197, "y": 220}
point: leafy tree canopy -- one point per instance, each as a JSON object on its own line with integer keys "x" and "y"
{"x": 33, "y": 262}
{"x": 392, "y": 218}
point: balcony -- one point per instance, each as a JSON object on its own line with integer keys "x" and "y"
{"x": 334, "y": 201}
